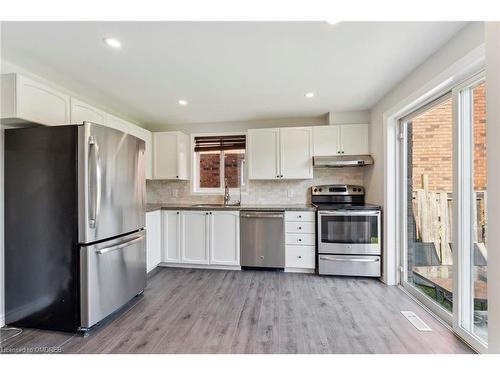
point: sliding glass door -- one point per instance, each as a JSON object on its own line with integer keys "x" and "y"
{"x": 443, "y": 231}
{"x": 427, "y": 154}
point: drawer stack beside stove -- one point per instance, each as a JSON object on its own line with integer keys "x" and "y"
{"x": 300, "y": 241}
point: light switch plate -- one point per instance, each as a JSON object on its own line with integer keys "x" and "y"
{"x": 289, "y": 193}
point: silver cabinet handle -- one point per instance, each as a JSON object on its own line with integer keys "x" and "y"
{"x": 121, "y": 245}
{"x": 95, "y": 185}
{"x": 337, "y": 259}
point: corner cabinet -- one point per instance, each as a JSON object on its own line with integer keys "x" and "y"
{"x": 25, "y": 100}
{"x": 284, "y": 153}
{"x": 170, "y": 156}
{"x": 345, "y": 140}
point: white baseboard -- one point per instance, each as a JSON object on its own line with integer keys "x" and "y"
{"x": 299, "y": 270}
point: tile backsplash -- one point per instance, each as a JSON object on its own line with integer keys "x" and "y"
{"x": 258, "y": 192}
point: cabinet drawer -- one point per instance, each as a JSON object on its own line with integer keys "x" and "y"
{"x": 307, "y": 239}
{"x": 300, "y": 257}
{"x": 300, "y": 216}
{"x": 300, "y": 227}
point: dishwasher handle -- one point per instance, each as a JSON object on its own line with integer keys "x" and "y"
{"x": 262, "y": 215}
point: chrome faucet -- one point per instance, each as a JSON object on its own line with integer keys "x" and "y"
{"x": 227, "y": 197}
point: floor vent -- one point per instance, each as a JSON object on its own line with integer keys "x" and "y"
{"x": 416, "y": 321}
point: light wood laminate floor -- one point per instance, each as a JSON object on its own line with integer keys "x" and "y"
{"x": 213, "y": 311}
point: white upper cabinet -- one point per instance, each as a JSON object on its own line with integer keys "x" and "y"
{"x": 224, "y": 236}
{"x": 147, "y": 137}
{"x": 354, "y": 139}
{"x": 349, "y": 139}
{"x": 171, "y": 249}
{"x": 153, "y": 239}
{"x": 326, "y": 140}
{"x": 81, "y": 111}
{"x": 296, "y": 153}
{"x": 117, "y": 123}
{"x": 284, "y": 153}
{"x": 263, "y": 154}
{"x": 25, "y": 100}
{"x": 170, "y": 156}
{"x": 194, "y": 237}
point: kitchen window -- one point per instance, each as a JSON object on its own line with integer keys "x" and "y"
{"x": 219, "y": 160}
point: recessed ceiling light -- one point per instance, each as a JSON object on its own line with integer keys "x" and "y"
{"x": 309, "y": 95}
{"x": 183, "y": 102}
{"x": 332, "y": 22}
{"x": 115, "y": 43}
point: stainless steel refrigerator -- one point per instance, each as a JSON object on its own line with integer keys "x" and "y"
{"x": 74, "y": 224}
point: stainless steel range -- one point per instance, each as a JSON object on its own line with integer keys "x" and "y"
{"x": 348, "y": 232}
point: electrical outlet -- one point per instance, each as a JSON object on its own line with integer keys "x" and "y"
{"x": 175, "y": 193}
{"x": 289, "y": 193}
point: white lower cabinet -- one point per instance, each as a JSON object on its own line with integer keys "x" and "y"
{"x": 153, "y": 239}
{"x": 201, "y": 237}
{"x": 225, "y": 238}
{"x": 300, "y": 241}
{"x": 171, "y": 234}
{"x": 194, "y": 237}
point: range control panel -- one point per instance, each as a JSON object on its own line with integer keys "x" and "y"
{"x": 337, "y": 190}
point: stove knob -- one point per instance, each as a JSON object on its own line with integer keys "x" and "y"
{"x": 315, "y": 190}
{"x": 320, "y": 190}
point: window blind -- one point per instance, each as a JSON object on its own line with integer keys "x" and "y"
{"x": 220, "y": 143}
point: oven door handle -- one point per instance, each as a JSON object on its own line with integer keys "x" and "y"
{"x": 349, "y": 213}
{"x": 338, "y": 259}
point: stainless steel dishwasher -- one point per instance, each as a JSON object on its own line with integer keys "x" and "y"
{"x": 262, "y": 236}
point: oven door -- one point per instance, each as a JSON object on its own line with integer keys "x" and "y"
{"x": 349, "y": 232}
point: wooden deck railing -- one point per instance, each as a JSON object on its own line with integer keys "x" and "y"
{"x": 433, "y": 218}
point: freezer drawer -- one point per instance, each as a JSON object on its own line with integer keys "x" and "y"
{"x": 349, "y": 265}
{"x": 112, "y": 273}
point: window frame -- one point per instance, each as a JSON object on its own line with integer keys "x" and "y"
{"x": 195, "y": 188}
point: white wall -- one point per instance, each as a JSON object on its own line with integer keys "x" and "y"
{"x": 493, "y": 152}
{"x": 469, "y": 38}
{"x": 380, "y": 185}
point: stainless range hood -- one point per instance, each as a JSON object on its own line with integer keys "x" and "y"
{"x": 337, "y": 161}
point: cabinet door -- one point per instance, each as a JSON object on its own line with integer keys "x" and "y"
{"x": 194, "y": 237}
{"x": 39, "y": 103}
{"x": 171, "y": 249}
{"x": 81, "y": 112}
{"x": 165, "y": 163}
{"x": 153, "y": 239}
{"x": 263, "y": 154}
{"x": 326, "y": 140}
{"x": 183, "y": 156}
{"x": 225, "y": 238}
{"x": 354, "y": 139}
{"x": 296, "y": 152}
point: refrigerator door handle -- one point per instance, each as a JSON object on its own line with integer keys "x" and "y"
{"x": 121, "y": 245}
{"x": 95, "y": 185}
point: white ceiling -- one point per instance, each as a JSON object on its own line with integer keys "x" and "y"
{"x": 227, "y": 71}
